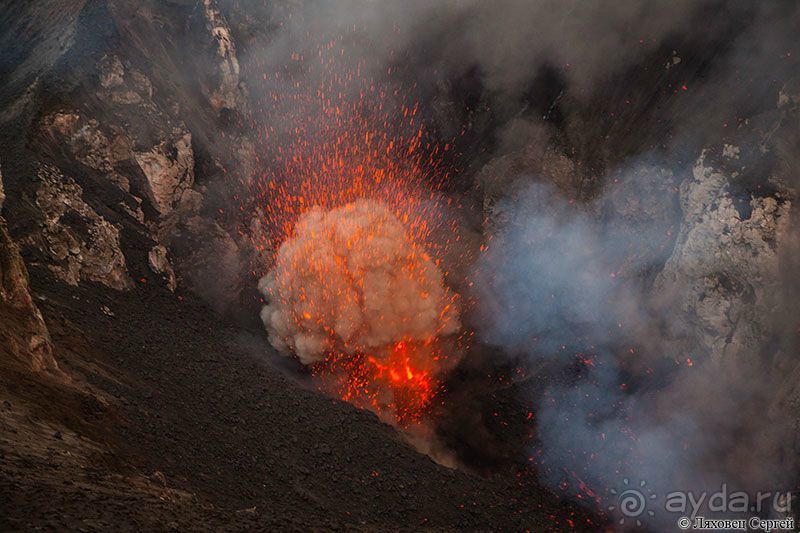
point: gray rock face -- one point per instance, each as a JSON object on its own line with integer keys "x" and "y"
{"x": 227, "y": 94}
{"x": 169, "y": 168}
{"x": 81, "y": 244}
{"x": 160, "y": 264}
{"x": 723, "y": 272}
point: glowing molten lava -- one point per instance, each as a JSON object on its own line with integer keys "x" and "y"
{"x": 353, "y": 296}
{"x": 397, "y": 383}
{"x": 349, "y": 205}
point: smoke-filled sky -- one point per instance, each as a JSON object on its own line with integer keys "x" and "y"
{"x": 727, "y": 53}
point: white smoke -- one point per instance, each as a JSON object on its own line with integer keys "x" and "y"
{"x": 351, "y": 280}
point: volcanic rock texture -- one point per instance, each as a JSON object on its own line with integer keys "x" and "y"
{"x": 624, "y": 181}
{"x": 127, "y": 401}
{"x": 25, "y": 338}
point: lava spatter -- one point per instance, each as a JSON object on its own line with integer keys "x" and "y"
{"x": 357, "y": 288}
{"x": 354, "y": 297}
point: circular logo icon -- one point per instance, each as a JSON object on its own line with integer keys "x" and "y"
{"x": 632, "y": 502}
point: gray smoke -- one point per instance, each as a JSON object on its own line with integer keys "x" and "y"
{"x": 561, "y": 281}
{"x": 591, "y": 190}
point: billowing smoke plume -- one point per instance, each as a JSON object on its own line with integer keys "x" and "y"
{"x": 350, "y": 280}
{"x": 636, "y": 288}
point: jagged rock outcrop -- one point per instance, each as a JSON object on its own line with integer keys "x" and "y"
{"x": 92, "y": 147}
{"x": 169, "y": 168}
{"x": 226, "y": 91}
{"x": 81, "y": 244}
{"x": 123, "y": 86}
{"x": 161, "y": 146}
{"x": 158, "y": 258}
{"x": 23, "y": 332}
{"x": 723, "y": 271}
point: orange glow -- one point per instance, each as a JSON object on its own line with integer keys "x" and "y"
{"x": 328, "y": 144}
{"x": 346, "y": 139}
{"x": 398, "y": 384}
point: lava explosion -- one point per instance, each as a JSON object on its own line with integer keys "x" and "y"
{"x": 352, "y": 294}
{"x": 357, "y": 291}
{"x": 350, "y": 280}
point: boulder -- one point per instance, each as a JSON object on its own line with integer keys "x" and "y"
{"x": 80, "y": 243}
{"x": 158, "y": 258}
{"x": 169, "y": 168}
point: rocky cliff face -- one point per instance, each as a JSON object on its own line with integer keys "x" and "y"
{"x": 723, "y": 273}
{"x": 116, "y": 135}
{"x": 125, "y": 135}
{"x": 24, "y": 335}
{"x": 728, "y": 271}
{"x": 118, "y": 118}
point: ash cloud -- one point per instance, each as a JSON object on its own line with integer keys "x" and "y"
{"x": 727, "y": 53}
{"x": 349, "y": 279}
{"x": 508, "y": 40}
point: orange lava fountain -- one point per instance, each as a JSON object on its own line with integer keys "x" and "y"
{"x": 337, "y": 140}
